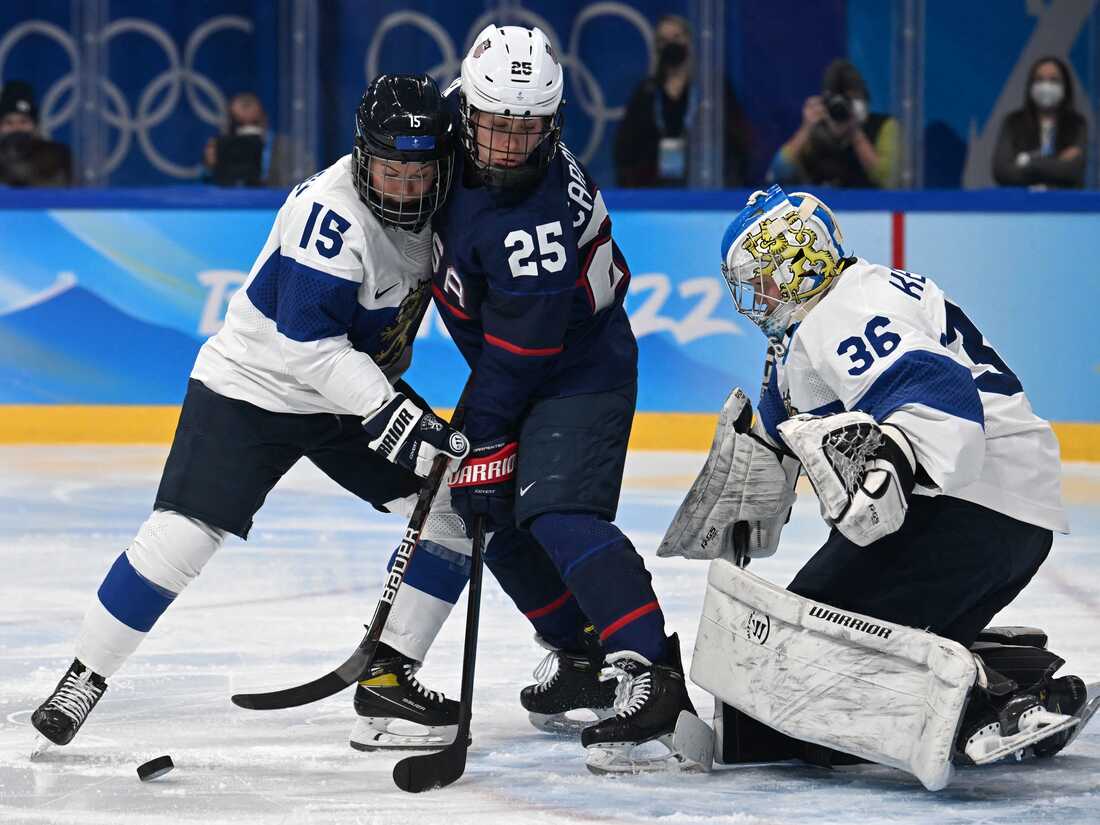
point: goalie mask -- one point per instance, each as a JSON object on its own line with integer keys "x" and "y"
{"x": 403, "y": 155}
{"x": 510, "y": 106}
{"x": 779, "y": 256}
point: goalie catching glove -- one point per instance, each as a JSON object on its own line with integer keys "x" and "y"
{"x": 410, "y": 437}
{"x": 862, "y": 471}
{"x": 742, "y": 498}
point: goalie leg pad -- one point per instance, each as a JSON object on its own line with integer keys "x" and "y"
{"x": 864, "y": 686}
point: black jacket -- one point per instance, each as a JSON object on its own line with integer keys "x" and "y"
{"x": 639, "y": 136}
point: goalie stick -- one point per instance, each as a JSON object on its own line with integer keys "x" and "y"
{"x": 356, "y": 665}
{"x": 424, "y": 772}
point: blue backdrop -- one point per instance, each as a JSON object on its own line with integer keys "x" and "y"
{"x": 106, "y": 299}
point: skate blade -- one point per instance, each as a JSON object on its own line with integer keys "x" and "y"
{"x": 1083, "y": 716}
{"x": 373, "y": 734}
{"x": 40, "y": 746}
{"x": 1005, "y": 746}
{"x": 562, "y": 725}
{"x": 689, "y": 749}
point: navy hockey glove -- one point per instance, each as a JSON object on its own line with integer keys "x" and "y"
{"x": 410, "y": 437}
{"x": 485, "y": 485}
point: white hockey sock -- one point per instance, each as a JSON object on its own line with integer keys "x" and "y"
{"x": 167, "y": 554}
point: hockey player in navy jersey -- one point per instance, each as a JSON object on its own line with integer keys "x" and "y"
{"x": 530, "y": 285}
{"x": 940, "y": 485}
{"x": 308, "y": 363}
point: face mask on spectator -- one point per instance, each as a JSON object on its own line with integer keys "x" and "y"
{"x": 1046, "y": 93}
{"x": 672, "y": 55}
{"x": 859, "y": 109}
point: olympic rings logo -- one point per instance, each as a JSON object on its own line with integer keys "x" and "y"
{"x": 586, "y": 90}
{"x": 203, "y": 95}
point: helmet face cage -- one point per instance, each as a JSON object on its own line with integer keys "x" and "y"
{"x": 404, "y": 199}
{"x": 509, "y": 151}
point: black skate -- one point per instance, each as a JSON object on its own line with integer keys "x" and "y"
{"x": 396, "y": 712}
{"x": 1027, "y": 724}
{"x": 60, "y": 717}
{"x": 648, "y": 705}
{"x": 569, "y": 683}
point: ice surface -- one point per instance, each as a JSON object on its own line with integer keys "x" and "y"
{"x": 289, "y": 604}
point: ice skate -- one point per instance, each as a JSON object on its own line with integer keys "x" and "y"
{"x": 58, "y": 719}
{"x": 641, "y": 736}
{"x": 1026, "y": 725}
{"x": 568, "y": 688}
{"x": 396, "y": 712}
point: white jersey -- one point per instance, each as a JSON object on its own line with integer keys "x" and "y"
{"x": 890, "y": 343}
{"x": 326, "y": 319}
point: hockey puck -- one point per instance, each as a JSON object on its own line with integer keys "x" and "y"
{"x": 155, "y": 768}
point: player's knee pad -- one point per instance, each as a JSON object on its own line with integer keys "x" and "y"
{"x": 170, "y": 549}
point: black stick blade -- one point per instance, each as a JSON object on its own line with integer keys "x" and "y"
{"x": 427, "y": 771}
{"x": 328, "y": 685}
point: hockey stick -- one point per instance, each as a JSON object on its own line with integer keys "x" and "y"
{"x": 437, "y": 770}
{"x": 356, "y": 665}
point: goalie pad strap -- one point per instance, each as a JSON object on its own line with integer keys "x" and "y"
{"x": 864, "y": 686}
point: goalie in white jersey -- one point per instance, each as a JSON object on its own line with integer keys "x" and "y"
{"x": 940, "y": 484}
{"x": 308, "y": 364}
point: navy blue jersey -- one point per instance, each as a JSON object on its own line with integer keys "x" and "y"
{"x": 531, "y": 289}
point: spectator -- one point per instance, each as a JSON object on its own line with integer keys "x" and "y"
{"x": 651, "y": 146}
{"x": 27, "y": 158}
{"x": 1043, "y": 143}
{"x": 840, "y": 142}
{"x": 246, "y": 154}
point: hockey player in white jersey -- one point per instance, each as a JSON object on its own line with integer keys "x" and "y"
{"x": 939, "y": 483}
{"x": 308, "y": 363}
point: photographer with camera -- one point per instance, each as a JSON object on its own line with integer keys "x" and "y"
{"x": 26, "y": 158}
{"x": 247, "y": 153}
{"x": 840, "y": 142}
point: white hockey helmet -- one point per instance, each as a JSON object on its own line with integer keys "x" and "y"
{"x": 791, "y": 240}
{"x": 511, "y": 97}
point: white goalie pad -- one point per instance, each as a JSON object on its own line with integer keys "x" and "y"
{"x": 864, "y": 686}
{"x": 743, "y": 480}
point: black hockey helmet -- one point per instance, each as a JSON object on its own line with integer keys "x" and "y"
{"x": 402, "y": 122}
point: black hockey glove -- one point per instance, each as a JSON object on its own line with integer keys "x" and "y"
{"x": 485, "y": 484}
{"x": 410, "y": 437}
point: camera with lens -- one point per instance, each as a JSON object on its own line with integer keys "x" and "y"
{"x": 839, "y": 108}
{"x": 240, "y": 157}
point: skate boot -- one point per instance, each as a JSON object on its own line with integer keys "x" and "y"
{"x": 1015, "y": 727}
{"x": 396, "y": 712}
{"x": 648, "y": 703}
{"x": 569, "y": 682}
{"x": 60, "y": 717}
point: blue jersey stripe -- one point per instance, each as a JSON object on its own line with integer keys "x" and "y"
{"x": 437, "y": 571}
{"x": 306, "y": 304}
{"x": 927, "y": 378}
{"x": 131, "y": 598}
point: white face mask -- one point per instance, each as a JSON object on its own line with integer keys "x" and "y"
{"x": 859, "y": 109}
{"x": 1046, "y": 93}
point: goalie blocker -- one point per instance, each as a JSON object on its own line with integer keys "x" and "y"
{"x": 818, "y": 676}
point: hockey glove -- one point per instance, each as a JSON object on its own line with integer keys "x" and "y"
{"x": 863, "y": 472}
{"x": 485, "y": 485}
{"x": 410, "y": 437}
